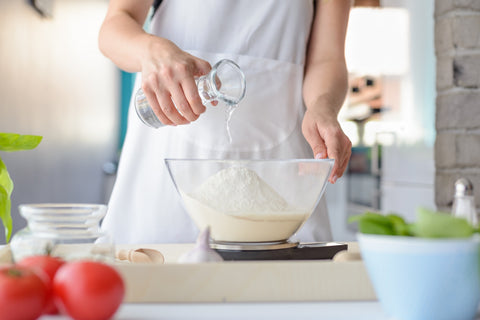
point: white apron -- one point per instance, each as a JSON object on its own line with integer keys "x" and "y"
{"x": 268, "y": 40}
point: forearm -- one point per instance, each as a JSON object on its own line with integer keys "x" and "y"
{"x": 325, "y": 86}
{"x": 168, "y": 73}
{"x": 324, "y": 90}
{"x": 122, "y": 40}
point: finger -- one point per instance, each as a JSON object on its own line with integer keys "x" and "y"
{"x": 169, "y": 109}
{"x": 218, "y": 83}
{"x": 155, "y": 105}
{"x": 334, "y": 175}
{"x": 182, "y": 104}
{"x": 202, "y": 67}
{"x": 339, "y": 150}
{"x": 316, "y": 143}
{"x": 334, "y": 153}
{"x": 346, "y": 160}
{"x": 346, "y": 152}
{"x": 191, "y": 93}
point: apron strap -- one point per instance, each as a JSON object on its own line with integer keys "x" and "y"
{"x": 156, "y": 4}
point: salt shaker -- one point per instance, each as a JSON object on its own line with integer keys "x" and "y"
{"x": 464, "y": 201}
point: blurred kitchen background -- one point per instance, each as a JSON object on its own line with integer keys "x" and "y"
{"x": 389, "y": 113}
{"x": 55, "y": 83}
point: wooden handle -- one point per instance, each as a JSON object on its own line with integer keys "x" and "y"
{"x": 140, "y": 255}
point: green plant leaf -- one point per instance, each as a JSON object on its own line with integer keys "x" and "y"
{"x": 18, "y": 142}
{"x": 368, "y": 215}
{"x": 373, "y": 223}
{"x": 373, "y": 227}
{"x": 6, "y": 188}
{"x": 399, "y": 225}
{"x": 436, "y": 224}
{"x": 11, "y": 142}
{"x": 429, "y": 224}
{"x": 5, "y": 179}
{"x": 5, "y": 206}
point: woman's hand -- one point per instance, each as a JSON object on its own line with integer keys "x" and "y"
{"x": 325, "y": 85}
{"x": 168, "y": 81}
{"x": 327, "y": 140}
{"x": 167, "y": 72}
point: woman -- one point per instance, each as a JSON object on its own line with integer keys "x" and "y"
{"x": 292, "y": 53}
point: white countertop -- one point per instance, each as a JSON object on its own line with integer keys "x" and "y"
{"x": 250, "y": 311}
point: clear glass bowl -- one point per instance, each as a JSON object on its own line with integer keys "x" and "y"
{"x": 67, "y": 230}
{"x": 250, "y": 201}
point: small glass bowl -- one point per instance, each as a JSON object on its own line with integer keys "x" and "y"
{"x": 70, "y": 231}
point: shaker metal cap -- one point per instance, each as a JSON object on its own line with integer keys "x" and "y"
{"x": 463, "y": 187}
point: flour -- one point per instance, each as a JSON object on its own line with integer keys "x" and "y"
{"x": 239, "y": 190}
{"x": 238, "y": 205}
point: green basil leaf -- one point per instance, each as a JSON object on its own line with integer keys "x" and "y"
{"x": 373, "y": 223}
{"x": 431, "y": 224}
{"x": 11, "y": 142}
{"x": 17, "y": 142}
{"x": 370, "y": 216}
{"x": 6, "y": 188}
{"x": 400, "y": 227}
{"x": 5, "y": 216}
{"x": 374, "y": 227}
{"x": 395, "y": 218}
{"x": 5, "y": 179}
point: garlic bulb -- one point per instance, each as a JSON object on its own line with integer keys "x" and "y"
{"x": 202, "y": 251}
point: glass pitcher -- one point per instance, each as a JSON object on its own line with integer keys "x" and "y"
{"x": 225, "y": 82}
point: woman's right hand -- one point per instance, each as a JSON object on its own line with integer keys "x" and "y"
{"x": 168, "y": 81}
{"x": 168, "y": 73}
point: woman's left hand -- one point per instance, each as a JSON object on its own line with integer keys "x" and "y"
{"x": 325, "y": 85}
{"x": 327, "y": 140}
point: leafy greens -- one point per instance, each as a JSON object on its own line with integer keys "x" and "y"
{"x": 429, "y": 224}
{"x": 11, "y": 142}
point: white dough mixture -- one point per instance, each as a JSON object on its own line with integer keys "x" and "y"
{"x": 240, "y": 206}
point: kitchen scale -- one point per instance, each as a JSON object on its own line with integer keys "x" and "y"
{"x": 278, "y": 250}
{"x": 256, "y": 200}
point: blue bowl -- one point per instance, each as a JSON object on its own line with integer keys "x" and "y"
{"x": 422, "y": 279}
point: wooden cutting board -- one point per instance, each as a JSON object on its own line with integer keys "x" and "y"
{"x": 240, "y": 281}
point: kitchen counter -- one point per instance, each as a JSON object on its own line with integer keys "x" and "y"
{"x": 359, "y": 310}
{"x": 334, "y": 310}
{"x": 362, "y": 310}
{"x": 299, "y": 309}
{"x": 250, "y": 311}
{"x": 240, "y": 281}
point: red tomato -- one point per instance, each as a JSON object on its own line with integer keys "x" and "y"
{"x": 23, "y": 293}
{"x": 49, "y": 265}
{"x": 88, "y": 290}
